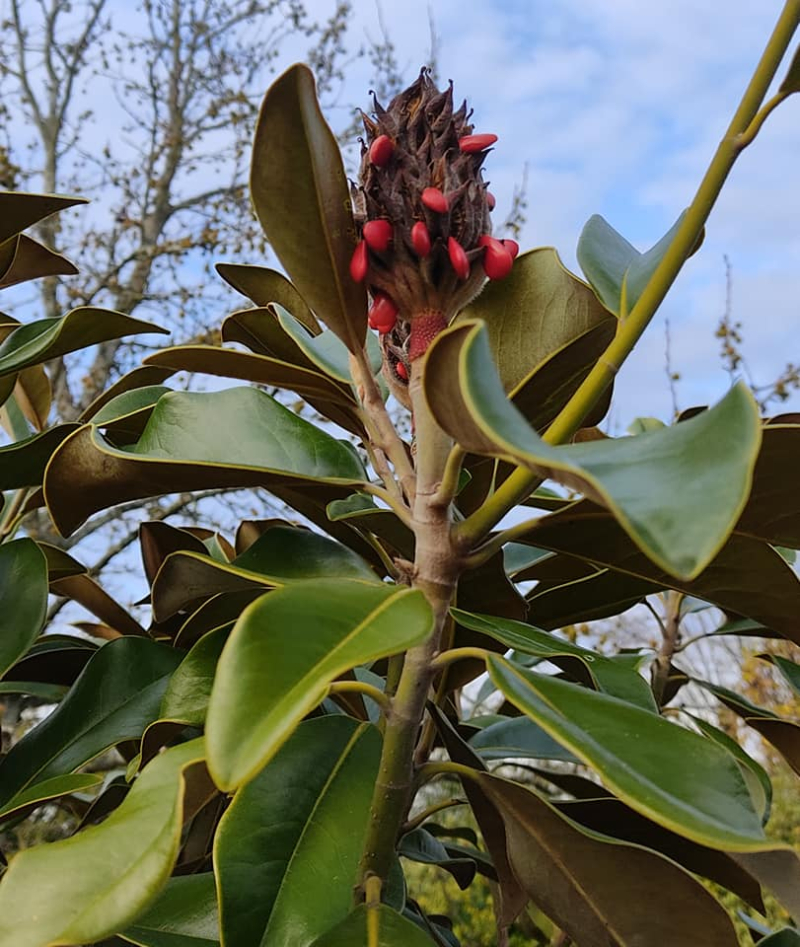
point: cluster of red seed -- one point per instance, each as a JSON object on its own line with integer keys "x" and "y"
{"x": 498, "y": 256}
{"x": 424, "y": 216}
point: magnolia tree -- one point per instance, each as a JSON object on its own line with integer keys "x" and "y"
{"x": 298, "y": 690}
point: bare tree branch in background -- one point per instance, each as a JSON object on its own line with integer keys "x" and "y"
{"x": 150, "y": 114}
{"x": 730, "y": 333}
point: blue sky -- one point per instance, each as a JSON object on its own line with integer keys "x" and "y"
{"x": 616, "y": 107}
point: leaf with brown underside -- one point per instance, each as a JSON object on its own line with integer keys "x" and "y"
{"x": 33, "y": 260}
{"x": 600, "y": 890}
{"x": 328, "y": 396}
{"x": 300, "y": 194}
{"x": 20, "y": 210}
{"x": 264, "y": 286}
{"x": 512, "y": 897}
{"x": 233, "y": 438}
{"x": 747, "y": 577}
{"x": 534, "y": 313}
{"x": 676, "y": 491}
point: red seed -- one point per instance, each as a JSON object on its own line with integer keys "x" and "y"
{"x": 491, "y": 200}
{"x": 513, "y": 248}
{"x": 420, "y": 239}
{"x": 359, "y": 262}
{"x": 469, "y": 144}
{"x": 401, "y": 370}
{"x": 497, "y": 261}
{"x": 382, "y": 314}
{"x": 487, "y": 240}
{"x": 381, "y": 150}
{"x": 434, "y": 200}
{"x": 378, "y": 234}
{"x": 458, "y": 258}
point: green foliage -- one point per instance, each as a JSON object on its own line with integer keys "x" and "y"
{"x": 297, "y": 691}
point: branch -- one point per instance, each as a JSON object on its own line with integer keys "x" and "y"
{"x": 520, "y": 483}
{"x": 670, "y": 628}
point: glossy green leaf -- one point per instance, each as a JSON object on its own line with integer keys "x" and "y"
{"x": 608, "y": 676}
{"x": 366, "y": 517}
{"x": 117, "y": 695}
{"x": 600, "y": 890}
{"x": 282, "y": 554}
{"x": 535, "y": 312}
{"x": 260, "y": 369}
{"x": 519, "y": 556}
{"x": 518, "y": 738}
{"x": 183, "y": 915}
{"x": 288, "y": 553}
{"x": 261, "y": 332}
{"x": 129, "y": 403}
{"x": 38, "y": 342}
{"x": 264, "y": 688}
{"x": 287, "y": 850}
{"x": 302, "y": 200}
{"x": 375, "y": 926}
{"x": 189, "y": 688}
{"x": 747, "y": 577}
{"x": 145, "y": 376}
{"x": 691, "y": 785}
{"x": 789, "y": 936}
{"x": 38, "y": 794}
{"x": 264, "y": 287}
{"x": 420, "y": 846}
{"x": 756, "y": 777}
{"x": 677, "y": 492}
{"x": 615, "y": 268}
{"x": 50, "y": 693}
{"x": 81, "y": 889}
{"x": 236, "y": 437}
{"x": 20, "y": 210}
{"x": 23, "y": 599}
{"x": 326, "y": 350}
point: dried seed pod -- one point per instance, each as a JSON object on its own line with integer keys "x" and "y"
{"x": 416, "y": 174}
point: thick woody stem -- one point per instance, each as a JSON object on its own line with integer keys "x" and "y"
{"x": 435, "y": 573}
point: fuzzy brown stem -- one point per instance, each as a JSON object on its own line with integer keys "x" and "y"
{"x": 670, "y": 639}
{"x": 380, "y": 427}
{"x": 436, "y": 567}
